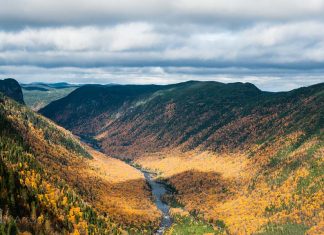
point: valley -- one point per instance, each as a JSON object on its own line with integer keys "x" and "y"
{"x": 157, "y": 189}
{"x": 239, "y": 159}
{"x": 189, "y": 158}
{"x": 161, "y": 117}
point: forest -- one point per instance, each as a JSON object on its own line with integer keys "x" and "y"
{"x": 53, "y": 184}
{"x": 237, "y": 175}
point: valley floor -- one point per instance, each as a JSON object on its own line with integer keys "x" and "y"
{"x": 123, "y": 193}
{"x": 228, "y": 191}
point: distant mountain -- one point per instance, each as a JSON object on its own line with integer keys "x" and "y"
{"x": 38, "y": 94}
{"x": 12, "y": 89}
{"x": 131, "y": 120}
{"x": 58, "y": 85}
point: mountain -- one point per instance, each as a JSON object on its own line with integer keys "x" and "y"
{"x": 38, "y": 94}
{"x": 12, "y": 89}
{"x": 43, "y": 85}
{"x": 92, "y": 105}
{"x": 51, "y": 183}
{"x": 131, "y": 120}
{"x": 235, "y": 158}
{"x": 259, "y": 170}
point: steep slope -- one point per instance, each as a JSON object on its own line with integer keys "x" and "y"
{"x": 205, "y": 115}
{"x": 270, "y": 182}
{"x": 91, "y": 107}
{"x": 52, "y": 184}
{"x": 213, "y": 117}
{"x": 12, "y": 89}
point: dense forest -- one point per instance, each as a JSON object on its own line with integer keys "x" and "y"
{"x": 233, "y": 160}
{"x": 42, "y": 202}
{"x": 132, "y": 120}
{"x": 53, "y": 184}
{"x": 240, "y": 159}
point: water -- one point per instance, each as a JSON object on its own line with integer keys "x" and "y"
{"x": 158, "y": 190}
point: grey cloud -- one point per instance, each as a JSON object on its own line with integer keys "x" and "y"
{"x": 161, "y": 41}
{"x": 84, "y": 12}
{"x": 143, "y": 44}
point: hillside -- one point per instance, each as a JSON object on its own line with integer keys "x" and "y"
{"x": 52, "y": 184}
{"x": 89, "y": 107}
{"x": 131, "y": 120}
{"x": 37, "y": 95}
{"x": 12, "y": 89}
{"x": 240, "y": 159}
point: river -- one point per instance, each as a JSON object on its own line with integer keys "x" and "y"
{"x": 158, "y": 190}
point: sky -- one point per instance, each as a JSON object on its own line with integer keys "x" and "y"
{"x": 276, "y": 44}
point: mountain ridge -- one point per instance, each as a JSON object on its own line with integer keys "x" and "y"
{"x": 187, "y": 115}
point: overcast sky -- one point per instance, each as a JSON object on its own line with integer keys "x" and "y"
{"x": 275, "y": 44}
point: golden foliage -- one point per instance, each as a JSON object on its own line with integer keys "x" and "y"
{"x": 67, "y": 179}
{"x": 248, "y": 192}
{"x": 123, "y": 194}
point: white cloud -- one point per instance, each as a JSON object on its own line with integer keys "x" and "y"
{"x": 143, "y": 42}
{"x": 116, "y": 38}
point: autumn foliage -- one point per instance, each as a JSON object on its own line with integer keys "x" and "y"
{"x": 237, "y": 160}
{"x": 274, "y": 183}
{"x": 53, "y": 184}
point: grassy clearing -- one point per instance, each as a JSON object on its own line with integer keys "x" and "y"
{"x": 284, "y": 229}
{"x": 184, "y": 225}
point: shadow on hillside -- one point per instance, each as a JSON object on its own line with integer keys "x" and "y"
{"x": 194, "y": 183}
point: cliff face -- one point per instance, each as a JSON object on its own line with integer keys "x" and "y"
{"x": 11, "y": 88}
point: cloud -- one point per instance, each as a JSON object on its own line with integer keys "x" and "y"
{"x": 144, "y": 44}
{"x": 116, "y": 38}
{"x": 162, "y": 41}
{"x": 81, "y": 12}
